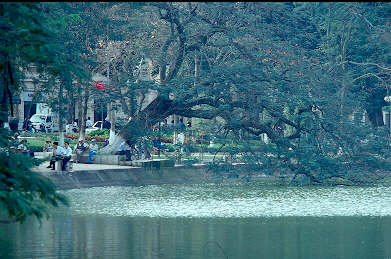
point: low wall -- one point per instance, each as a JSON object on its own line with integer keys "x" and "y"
{"x": 129, "y": 176}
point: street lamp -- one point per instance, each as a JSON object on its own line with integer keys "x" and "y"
{"x": 387, "y": 112}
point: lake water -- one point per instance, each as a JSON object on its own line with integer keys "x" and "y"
{"x": 225, "y": 220}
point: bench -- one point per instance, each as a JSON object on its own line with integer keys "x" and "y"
{"x": 101, "y": 159}
{"x": 69, "y": 166}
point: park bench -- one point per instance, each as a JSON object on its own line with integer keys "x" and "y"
{"x": 69, "y": 165}
{"x": 101, "y": 159}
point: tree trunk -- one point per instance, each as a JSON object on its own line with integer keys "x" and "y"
{"x": 3, "y": 98}
{"x": 82, "y": 132}
{"x": 60, "y": 114}
{"x": 112, "y": 122}
{"x": 156, "y": 111}
{"x": 79, "y": 106}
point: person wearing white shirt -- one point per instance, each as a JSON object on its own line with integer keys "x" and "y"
{"x": 125, "y": 149}
{"x": 88, "y": 123}
{"x": 93, "y": 149}
{"x": 58, "y": 153}
{"x": 67, "y": 155}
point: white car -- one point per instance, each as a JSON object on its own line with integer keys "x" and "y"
{"x": 43, "y": 119}
{"x": 95, "y": 126}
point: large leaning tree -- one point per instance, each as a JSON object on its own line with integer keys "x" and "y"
{"x": 261, "y": 68}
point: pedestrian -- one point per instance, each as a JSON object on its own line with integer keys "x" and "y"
{"x": 73, "y": 126}
{"x": 181, "y": 125}
{"x": 88, "y": 123}
{"x": 106, "y": 124}
{"x": 93, "y": 150}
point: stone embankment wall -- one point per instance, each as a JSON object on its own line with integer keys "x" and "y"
{"x": 130, "y": 176}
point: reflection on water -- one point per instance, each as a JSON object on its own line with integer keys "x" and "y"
{"x": 210, "y": 221}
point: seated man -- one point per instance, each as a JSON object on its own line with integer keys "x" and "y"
{"x": 156, "y": 145}
{"x": 93, "y": 149}
{"x": 58, "y": 154}
{"x": 67, "y": 156}
{"x": 79, "y": 149}
{"x": 22, "y": 148}
{"x": 124, "y": 149}
{"x": 48, "y": 146}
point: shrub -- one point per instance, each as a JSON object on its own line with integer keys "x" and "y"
{"x": 35, "y": 148}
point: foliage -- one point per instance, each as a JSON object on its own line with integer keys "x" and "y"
{"x": 24, "y": 40}
{"x": 301, "y": 74}
{"x": 24, "y": 192}
{"x": 293, "y": 74}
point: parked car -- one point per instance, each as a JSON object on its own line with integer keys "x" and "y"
{"x": 95, "y": 126}
{"x": 43, "y": 122}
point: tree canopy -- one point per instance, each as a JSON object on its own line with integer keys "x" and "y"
{"x": 303, "y": 74}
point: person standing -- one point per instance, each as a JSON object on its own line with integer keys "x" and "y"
{"x": 93, "y": 149}
{"x": 181, "y": 125}
{"x": 74, "y": 126}
{"x": 67, "y": 156}
{"x": 88, "y": 123}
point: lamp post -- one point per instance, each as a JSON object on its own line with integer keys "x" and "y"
{"x": 387, "y": 112}
{"x": 159, "y": 142}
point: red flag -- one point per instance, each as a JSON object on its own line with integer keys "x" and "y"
{"x": 99, "y": 85}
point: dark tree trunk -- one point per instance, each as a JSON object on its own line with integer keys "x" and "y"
{"x": 376, "y": 118}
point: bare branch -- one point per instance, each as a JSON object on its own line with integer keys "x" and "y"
{"x": 368, "y": 64}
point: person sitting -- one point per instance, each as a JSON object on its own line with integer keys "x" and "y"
{"x": 88, "y": 123}
{"x": 93, "y": 149}
{"x": 124, "y": 149}
{"x": 48, "y": 146}
{"x": 145, "y": 151}
{"x": 106, "y": 142}
{"x": 58, "y": 154}
{"x": 22, "y": 148}
{"x": 156, "y": 145}
{"x": 30, "y": 127}
{"x": 67, "y": 156}
{"x": 79, "y": 149}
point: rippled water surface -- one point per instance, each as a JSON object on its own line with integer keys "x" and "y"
{"x": 231, "y": 200}
{"x": 225, "y": 220}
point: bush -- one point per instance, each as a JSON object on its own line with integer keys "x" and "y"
{"x": 101, "y": 133}
{"x": 35, "y": 148}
